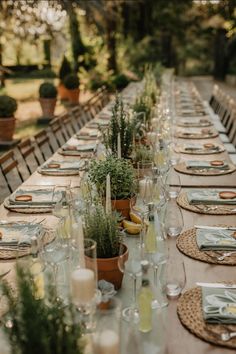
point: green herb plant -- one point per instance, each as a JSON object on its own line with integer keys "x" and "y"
{"x": 39, "y": 325}
{"x": 122, "y": 177}
{"x": 142, "y": 153}
{"x": 103, "y": 228}
{"x": 120, "y": 123}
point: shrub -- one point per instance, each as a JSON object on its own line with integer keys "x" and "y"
{"x": 8, "y": 106}
{"x": 71, "y": 82}
{"x": 120, "y": 81}
{"x": 47, "y": 90}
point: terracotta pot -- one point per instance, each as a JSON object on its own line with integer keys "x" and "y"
{"x": 7, "y": 128}
{"x": 48, "y": 106}
{"x": 108, "y": 269}
{"x": 73, "y": 96}
{"x": 62, "y": 91}
{"x": 122, "y": 206}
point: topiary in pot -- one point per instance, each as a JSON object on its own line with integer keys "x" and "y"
{"x": 122, "y": 176}
{"x": 71, "y": 83}
{"x": 64, "y": 70}
{"x": 8, "y": 106}
{"x": 48, "y": 99}
{"x": 103, "y": 228}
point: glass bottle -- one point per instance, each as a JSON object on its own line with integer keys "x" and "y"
{"x": 150, "y": 240}
{"x": 145, "y": 298}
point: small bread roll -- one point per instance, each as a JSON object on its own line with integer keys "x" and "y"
{"x": 53, "y": 165}
{"x": 217, "y": 163}
{"x": 23, "y": 198}
{"x": 208, "y": 145}
{"x": 227, "y": 195}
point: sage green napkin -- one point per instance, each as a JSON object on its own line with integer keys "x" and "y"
{"x": 219, "y": 305}
{"x": 219, "y": 240}
{"x": 19, "y": 233}
{"x": 195, "y": 164}
{"x": 64, "y": 166}
{"x": 196, "y": 147}
{"x": 41, "y": 197}
{"x": 204, "y": 196}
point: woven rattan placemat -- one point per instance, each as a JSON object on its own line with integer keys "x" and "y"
{"x": 24, "y": 251}
{"x": 182, "y": 168}
{"x": 26, "y": 210}
{"x": 196, "y": 136}
{"x": 187, "y": 244}
{"x": 182, "y": 201}
{"x": 189, "y": 309}
{"x": 182, "y": 150}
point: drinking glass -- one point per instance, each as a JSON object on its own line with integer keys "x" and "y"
{"x": 173, "y": 218}
{"x": 61, "y": 200}
{"x": 55, "y": 253}
{"x": 107, "y": 335}
{"x": 175, "y": 276}
{"x": 145, "y": 169}
{"x": 173, "y": 184}
{"x": 131, "y": 267}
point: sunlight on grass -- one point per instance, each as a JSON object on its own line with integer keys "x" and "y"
{"x": 28, "y": 130}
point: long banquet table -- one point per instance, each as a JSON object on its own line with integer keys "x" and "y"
{"x": 179, "y": 340}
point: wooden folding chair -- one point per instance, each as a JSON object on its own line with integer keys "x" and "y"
{"x": 66, "y": 122}
{"x": 57, "y": 132}
{"x": 43, "y": 142}
{"x": 27, "y": 151}
{"x": 10, "y": 170}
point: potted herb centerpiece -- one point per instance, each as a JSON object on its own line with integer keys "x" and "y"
{"x": 119, "y": 124}
{"x": 71, "y": 83}
{"x": 8, "y": 107}
{"x": 122, "y": 176}
{"x": 103, "y": 228}
{"x": 48, "y": 99}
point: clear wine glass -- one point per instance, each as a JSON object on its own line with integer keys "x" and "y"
{"x": 174, "y": 219}
{"x": 131, "y": 267}
{"x": 173, "y": 184}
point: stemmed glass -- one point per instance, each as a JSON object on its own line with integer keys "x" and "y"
{"x": 132, "y": 267}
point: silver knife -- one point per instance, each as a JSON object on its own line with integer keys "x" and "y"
{"x": 215, "y": 227}
{"x": 217, "y": 285}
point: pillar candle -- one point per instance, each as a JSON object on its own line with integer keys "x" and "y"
{"x": 82, "y": 286}
{"x": 118, "y": 146}
{"x": 107, "y": 342}
{"x": 108, "y": 194}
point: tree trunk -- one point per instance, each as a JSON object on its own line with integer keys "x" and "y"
{"x": 167, "y": 50}
{"x": 47, "y": 52}
{"x": 220, "y": 55}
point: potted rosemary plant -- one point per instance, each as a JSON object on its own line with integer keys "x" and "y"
{"x": 8, "y": 107}
{"x": 39, "y": 325}
{"x": 141, "y": 153}
{"x": 103, "y": 228}
{"x": 71, "y": 83}
{"x": 119, "y": 124}
{"x": 48, "y": 99}
{"x": 122, "y": 176}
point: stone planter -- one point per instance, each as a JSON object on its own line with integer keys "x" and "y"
{"x": 122, "y": 206}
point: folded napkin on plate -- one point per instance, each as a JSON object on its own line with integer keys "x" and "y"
{"x": 64, "y": 165}
{"x": 196, "y": 196}
{"x": 219, "y": 305}
{"x": 19, "y": 234}
{"x": 40, "y": 197}
{"x": 195, "y": 164}
{"x": 82, "y": 147}
{"x": 219, "y": 240}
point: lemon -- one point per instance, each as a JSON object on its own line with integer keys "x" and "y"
{"x": 131, "y": 227}
{"x": 134, "y": 216}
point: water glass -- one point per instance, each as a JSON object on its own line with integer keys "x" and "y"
{"x": 173, "y": 184}
{"x": 61, "y": 200}
{"x": 145, "y": 169}
{"x": 174, "y": 222}
{"x": 107, "y": 336}
{"x": 175, "y": 276}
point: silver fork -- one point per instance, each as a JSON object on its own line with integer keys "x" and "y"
{"x": 225, "y": 336}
